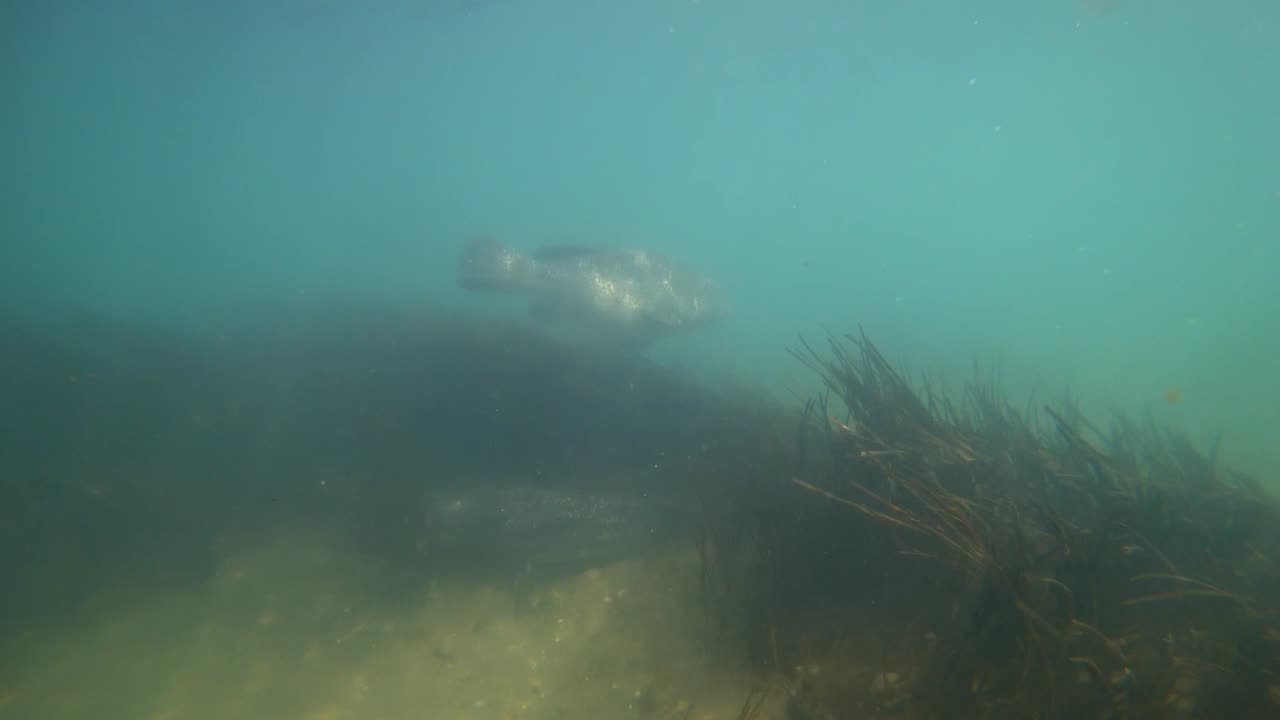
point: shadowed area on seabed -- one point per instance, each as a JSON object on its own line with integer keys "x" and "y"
{"x": 261, "y": 521}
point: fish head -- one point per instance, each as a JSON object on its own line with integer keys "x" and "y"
{"x": 695, "y": 302}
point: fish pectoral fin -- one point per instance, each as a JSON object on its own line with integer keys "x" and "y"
{"x": 564, "y": 252}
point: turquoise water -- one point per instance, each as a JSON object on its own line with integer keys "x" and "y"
{"x": 1086, "y": 192}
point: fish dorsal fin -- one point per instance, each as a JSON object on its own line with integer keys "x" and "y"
{"x": 565, "y": 252}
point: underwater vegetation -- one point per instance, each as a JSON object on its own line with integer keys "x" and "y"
{"x": 942, "y": 556}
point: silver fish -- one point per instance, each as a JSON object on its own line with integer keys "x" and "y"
{"x": 635, "y": 296}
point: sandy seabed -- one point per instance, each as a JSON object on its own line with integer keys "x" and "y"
{"x": 285, "y": 630}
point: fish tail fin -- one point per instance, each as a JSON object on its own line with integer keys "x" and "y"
{"x": 489, "y": 264}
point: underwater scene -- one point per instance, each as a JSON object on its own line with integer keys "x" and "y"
{"x": 623, "y": 360}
